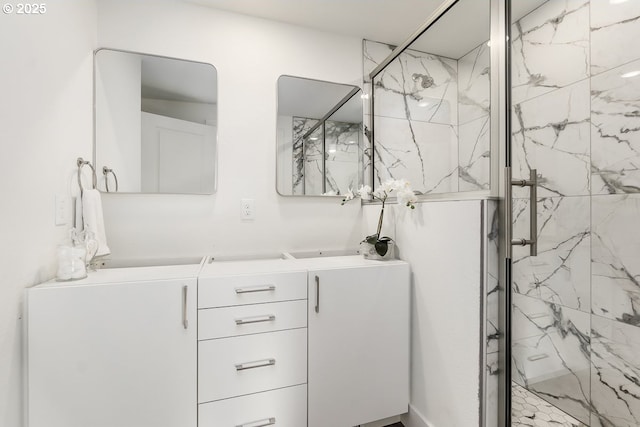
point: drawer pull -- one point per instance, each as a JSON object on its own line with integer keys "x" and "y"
{"x": 256, "y": 319}
{"x": 185, "y": 321}
{"x": 267, "y": 288}
{"x": 256, "y": 364}
{"x": 261, "y": 423}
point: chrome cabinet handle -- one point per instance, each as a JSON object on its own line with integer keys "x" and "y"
{"x": 261, "y": 423}
{"x": 317, "y": 294}
{"x": 256, "y": 319}
{"x": 185, "y": 321}
{"x": 257, "y": 364}
{"x": 266, "y": 288}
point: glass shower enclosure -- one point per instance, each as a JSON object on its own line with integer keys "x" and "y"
{"x": 535, "y": 106}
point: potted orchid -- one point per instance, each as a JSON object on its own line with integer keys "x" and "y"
{"x": 376, "y": 246}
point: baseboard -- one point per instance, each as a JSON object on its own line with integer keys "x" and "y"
{"x": 415, "y": 419}
{"x": 382, "y": 423}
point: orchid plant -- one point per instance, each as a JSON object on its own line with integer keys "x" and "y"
{"x": 401, "y": 189}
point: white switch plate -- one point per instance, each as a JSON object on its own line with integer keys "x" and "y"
{"x": 62, "y": 209}
{"x": 247, "y": 209}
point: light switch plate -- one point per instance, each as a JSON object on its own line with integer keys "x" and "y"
{"x": 62, "y": 209}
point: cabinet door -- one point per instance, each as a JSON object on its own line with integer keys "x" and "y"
{"x": 358, "y": 344}
{"x": 112, "y": 355}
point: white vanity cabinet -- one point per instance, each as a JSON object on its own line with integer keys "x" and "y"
{"x": 358, "y": 343}
{"x": 252, "y": 345}
{"x": 116, "y": 349}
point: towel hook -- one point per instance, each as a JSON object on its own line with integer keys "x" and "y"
{"x": 106, "y": 171}
{"x": 81, "y": 162}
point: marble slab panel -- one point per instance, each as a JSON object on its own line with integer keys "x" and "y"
{"x": 474, "y": 145}
{"x": 615, "y": 130}
{"x": 425, "y": 154}
{"x": 551, "y": 354}
{"x": 560, "y": 272}
{"x": 301, "y": 126}
{"x": 416, "y": 86}
{"x": 615, "y": 266}
{"x": 550, "y": 48}
{"x": 551, "y": 134}
{"x": 614, "y": 26}
{"x": 492, "y": 387}
{"x": 474, "y": 84}
{"x": 493, "y": 277}
{"x": 615, "y": 377}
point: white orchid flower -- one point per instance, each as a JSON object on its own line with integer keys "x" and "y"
{"x": 364, "y": 192}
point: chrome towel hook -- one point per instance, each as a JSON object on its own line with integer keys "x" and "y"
{"x": 81, "y": 162}
{"x": 106, "y": 171}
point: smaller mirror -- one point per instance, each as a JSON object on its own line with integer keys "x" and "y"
{"x": 319, "y": 140}
{"x": 155, "y": 124}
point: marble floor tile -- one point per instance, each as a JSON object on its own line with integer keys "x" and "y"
{"x": 530, "y": 410}
{"x": 551, "y": 354}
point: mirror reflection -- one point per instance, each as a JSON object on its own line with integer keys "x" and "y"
{"x": 319, "y": 138}
{"x": 155, "y": 124}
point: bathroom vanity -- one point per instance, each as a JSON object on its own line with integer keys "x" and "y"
{"x": 285, "y": 342}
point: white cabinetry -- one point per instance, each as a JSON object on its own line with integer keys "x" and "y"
{"x": 358, "y": 344}
{"x": 112, "y": 354}
{"x": 252, "y": 349}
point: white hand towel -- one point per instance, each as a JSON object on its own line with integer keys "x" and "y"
{"x": 94, "y": 220}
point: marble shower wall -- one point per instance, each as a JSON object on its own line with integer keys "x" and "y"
{"x": 344, "y": 151}
{"x": 431, "y": 119}
{"x": 576, "y": 93}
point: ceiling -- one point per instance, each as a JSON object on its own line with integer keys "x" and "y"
{"x": 388, "y": 21}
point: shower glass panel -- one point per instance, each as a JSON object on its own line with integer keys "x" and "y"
{"x": 431, "y": 105}
{"x": 575, "y": 74}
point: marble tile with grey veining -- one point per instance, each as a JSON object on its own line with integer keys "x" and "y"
{"x": 529, "y": 410}
{"x": 551, "y": 353}
{"x": 343, "y": 154}
{"x": 615, "y": 377}
{"x": 492, "y": 272}
{"x": 301, "y": 126}
{"x": 474, "y": 155}
{"x": 614, "y": 25}
{"x": 551, "y": 134}
{"x": 492, "y": 388}
{"x": 416, "y": 86}
{"x": 615, "y": 254}
{"x": 560, "y": 272}
{"x": 474, "y": 85}
{"x": 425, "y": 154}
{"x": 550, "y": 48}
{"x": 615, "y": 130}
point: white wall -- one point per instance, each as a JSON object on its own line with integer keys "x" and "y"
{"x": 441, "y": 241}
{"x": 45, "y": 124}
{"x": 249, "y": 54}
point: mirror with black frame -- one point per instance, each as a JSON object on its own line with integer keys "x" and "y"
{"x": 155, "y": 124}
{"x": 319, "y": 137}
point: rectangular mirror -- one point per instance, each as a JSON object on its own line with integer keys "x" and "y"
{"x": 319, "y": 140}
{"x": 155, "y": 124}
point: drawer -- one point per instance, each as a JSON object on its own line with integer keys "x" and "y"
{"x": 251, "y": 289}
{"x": 251, "y": 319}
{"x": 286, "y": 407}
{"x": 230, "y": 367}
